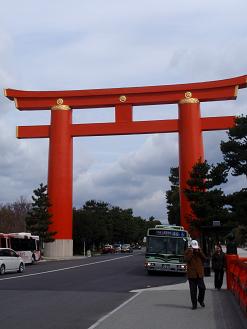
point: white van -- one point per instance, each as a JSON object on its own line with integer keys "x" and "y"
{"x": 10, "y": 261}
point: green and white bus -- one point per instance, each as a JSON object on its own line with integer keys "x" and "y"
{"x": 165, "y": 247}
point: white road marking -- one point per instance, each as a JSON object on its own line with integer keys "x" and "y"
{"x": 65, "y": 268}
{"x": 95, "y": 325}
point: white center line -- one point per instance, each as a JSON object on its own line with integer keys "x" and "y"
{"x": 65, "y": 268}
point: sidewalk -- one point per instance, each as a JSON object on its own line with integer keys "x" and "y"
{"x": 170, "y": 307}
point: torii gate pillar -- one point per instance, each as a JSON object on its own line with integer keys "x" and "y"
{"x": 190, "y": 146}
{"x": 60, "y": 177}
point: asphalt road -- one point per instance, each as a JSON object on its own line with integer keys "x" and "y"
{"x": 73, "y": 293}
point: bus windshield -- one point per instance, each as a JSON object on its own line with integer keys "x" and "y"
{"x": 166, "y": 245}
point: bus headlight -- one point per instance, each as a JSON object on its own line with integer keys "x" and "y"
{"x": 150, "y": 264}
{"x": 182, "y": 267}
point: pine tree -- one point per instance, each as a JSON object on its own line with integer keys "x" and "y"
{"x": 39, "y": 218}
{"x": 172, "y": 198}
{"x": 237, "y": 203}
{"x": 235, "y": 155}
{"x": 207, "y": 202}
{"x": 235, "y": 149}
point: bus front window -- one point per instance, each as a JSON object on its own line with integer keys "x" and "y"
{"x": 165, "y": 245}
{"x": 155, "y": 245}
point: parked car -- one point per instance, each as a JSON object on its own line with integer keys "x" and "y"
{"x": 10, "y": 261}
{"x": 117, "y": 247}
{"x": 137, "y": 246}
{"x": 126, "y": 248}
{"x": 108, "y": 249}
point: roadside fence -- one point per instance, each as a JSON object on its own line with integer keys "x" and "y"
{"x": 236, "y": 278}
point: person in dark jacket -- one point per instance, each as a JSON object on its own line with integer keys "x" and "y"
{"x": 195, "y": 259}
{"x": 218, "y": 266}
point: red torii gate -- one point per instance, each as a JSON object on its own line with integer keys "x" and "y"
{"x": 61, "y": 132}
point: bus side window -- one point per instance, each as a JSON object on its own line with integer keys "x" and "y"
{"x": 3, "y": 243}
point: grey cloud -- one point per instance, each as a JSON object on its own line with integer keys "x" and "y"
{"x": 123, "y": 191}
{"x": 155, "y": 157}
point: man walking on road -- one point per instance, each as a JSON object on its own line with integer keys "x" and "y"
{"x": 195, "y": 258}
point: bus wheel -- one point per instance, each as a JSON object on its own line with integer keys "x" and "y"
{"x": 2, "y": 269}
{"x": 21, "y": 268}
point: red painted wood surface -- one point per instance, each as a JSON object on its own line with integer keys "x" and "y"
{"x": 167, "y": 94}
{"x": 60, "y": 173}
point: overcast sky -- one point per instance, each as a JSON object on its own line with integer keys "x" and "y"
{"x": 62, "y": 45}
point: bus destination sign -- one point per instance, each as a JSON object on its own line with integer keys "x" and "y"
{"x": 171, "y": 233}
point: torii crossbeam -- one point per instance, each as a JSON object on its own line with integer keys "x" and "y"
{"x": 61, "y": 131}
